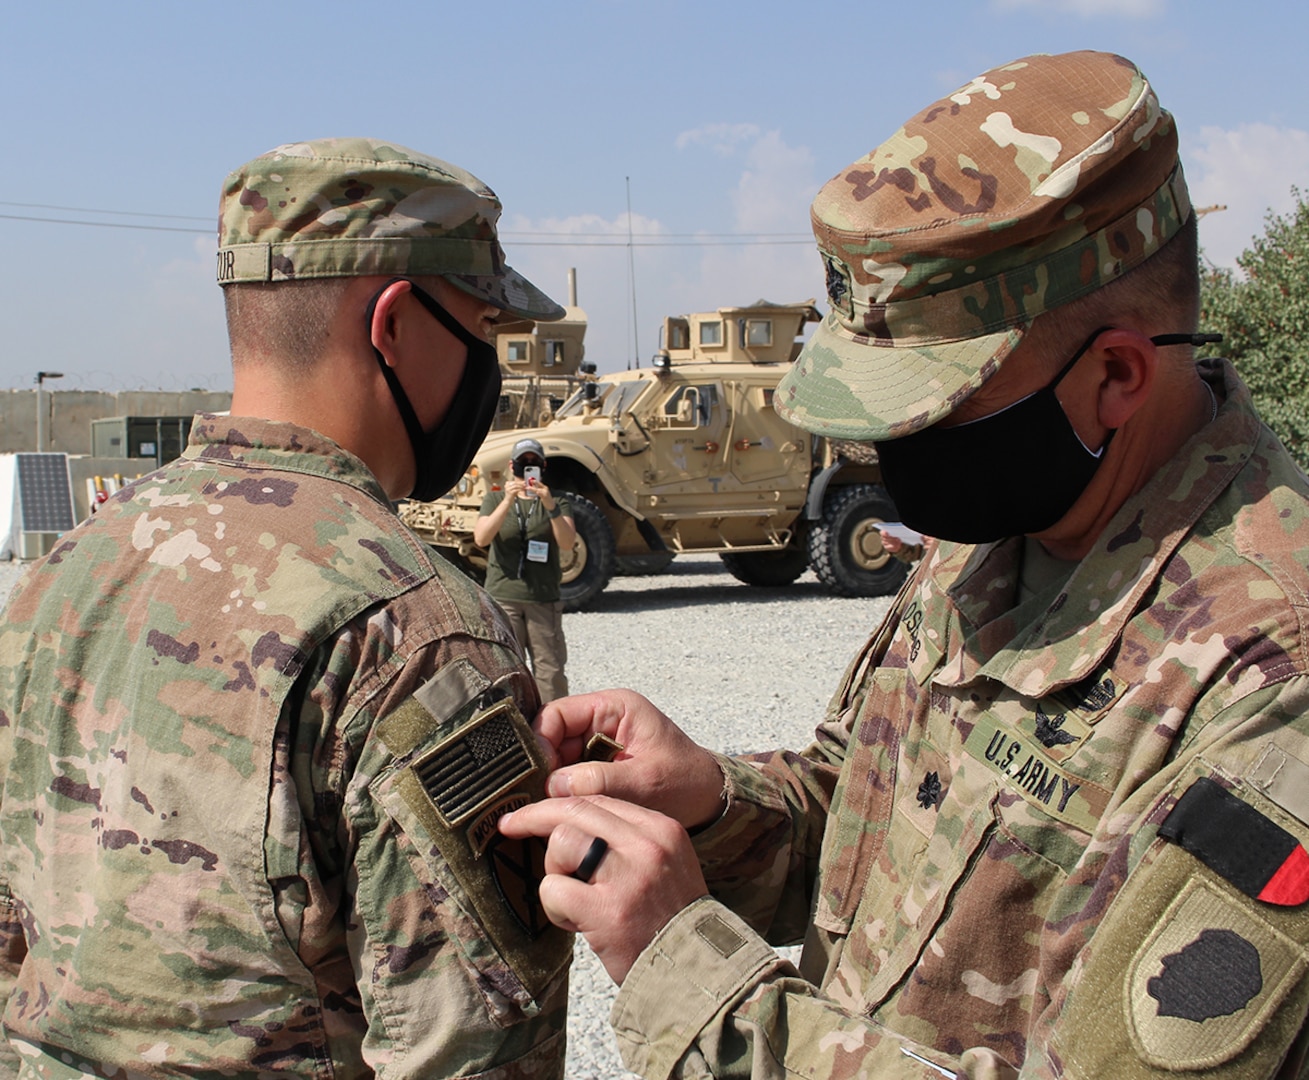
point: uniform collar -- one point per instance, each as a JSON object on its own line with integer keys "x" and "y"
{"x": 274, "y": 444}
{"x": 1058, "y": 638}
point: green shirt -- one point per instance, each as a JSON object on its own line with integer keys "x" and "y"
{"x": 511, "y": 574}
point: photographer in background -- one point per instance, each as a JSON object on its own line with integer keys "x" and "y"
{"x": 525, "y": 527}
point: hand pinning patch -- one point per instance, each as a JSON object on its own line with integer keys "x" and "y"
{"x": 929, "y": 791}
{"x": 1241, "y": 845}
{"x": 1215, "y": 975}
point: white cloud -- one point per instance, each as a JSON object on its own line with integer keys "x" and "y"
{"x": 1088, "y": 9}
{"x": 1250, "y": 170}
{"x": 723, "y": 139}
{"x": 770, "y": 195}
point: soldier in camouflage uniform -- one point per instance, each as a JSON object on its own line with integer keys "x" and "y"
{"x": 1054, "y": 822}
{"x": 255, "y": 734}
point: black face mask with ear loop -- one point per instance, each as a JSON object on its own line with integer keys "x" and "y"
{"x": 442, "y": 456}
{"x": 1012, "y": 473}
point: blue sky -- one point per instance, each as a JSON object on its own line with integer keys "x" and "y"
{"x": 721, "y": 117}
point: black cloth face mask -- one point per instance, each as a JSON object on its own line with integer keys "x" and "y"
{"x": 1012, "y": 473}
{"x": 442, "y": 456}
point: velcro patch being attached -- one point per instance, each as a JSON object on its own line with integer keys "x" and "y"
{"x": 1240, "y": 844}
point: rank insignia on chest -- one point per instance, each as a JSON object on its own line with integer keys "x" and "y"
{"x": 929, "y": 791}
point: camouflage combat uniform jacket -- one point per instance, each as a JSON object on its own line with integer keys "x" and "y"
{"x": 976, "y": 849}
{"x": 216, "y": 859}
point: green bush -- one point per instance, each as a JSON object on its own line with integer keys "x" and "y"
{"x": 1264, "y": 321}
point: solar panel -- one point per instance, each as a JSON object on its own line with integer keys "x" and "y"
{"x": 45, "y": 493}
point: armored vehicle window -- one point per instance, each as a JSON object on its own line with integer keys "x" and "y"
{"x": 674, "y": 399}
{"x": 554, "y": 353}
{"x": 679, "y": 334}
{"x": 518, "y": 352}
{"x": 708, "y": 402}
{"x": 692, "y": 404}
{"x": 711, "y": 333}
{"x": 758, "y": 333}
{"x": 623, "y": 397}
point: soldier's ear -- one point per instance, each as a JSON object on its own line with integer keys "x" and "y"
{"x": 1129, "y": 364}
{"x": 383, "y": 329}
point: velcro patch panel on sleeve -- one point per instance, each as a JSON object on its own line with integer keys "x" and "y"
{"x": 456, "y": 792}
{"x": 1243, "y": 846}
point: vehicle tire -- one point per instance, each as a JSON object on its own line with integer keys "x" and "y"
{"x": 589, "y": 566}
{"x": 652, "y": 562}
{"x": 845, "y": 549}
{"x": 767, "y": 568}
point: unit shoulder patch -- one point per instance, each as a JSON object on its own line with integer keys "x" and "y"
{"x": 1206, "y": 980}
{"x": 458, "y": 778}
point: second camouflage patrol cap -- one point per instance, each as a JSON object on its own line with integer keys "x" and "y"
{"x": 1033, "y": 185}
{"x": 362, "y": 207}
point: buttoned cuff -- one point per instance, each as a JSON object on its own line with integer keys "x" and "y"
{"x": 702, "y": 961}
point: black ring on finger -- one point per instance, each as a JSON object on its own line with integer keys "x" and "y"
{"x": 591, "y": 860}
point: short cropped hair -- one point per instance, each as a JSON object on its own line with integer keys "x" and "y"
{"x": 285, "y": 321}
{"x": 289, "y": 322}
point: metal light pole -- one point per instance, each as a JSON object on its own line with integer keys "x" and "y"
{"x": 41, "y": 377}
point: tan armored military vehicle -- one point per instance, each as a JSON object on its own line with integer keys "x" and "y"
{"x": 541, "y": 365}
{"x": 689, "y": 455}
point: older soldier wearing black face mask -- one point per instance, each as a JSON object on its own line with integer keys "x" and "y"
{"x": 1053, "y": 824}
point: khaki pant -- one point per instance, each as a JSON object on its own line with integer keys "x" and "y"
{"x": 540, "y": 631}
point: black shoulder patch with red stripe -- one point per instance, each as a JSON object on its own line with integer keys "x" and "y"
{"x": 1240, "y": 844}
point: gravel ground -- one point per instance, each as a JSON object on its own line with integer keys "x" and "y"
{"x": 739, "y": 668}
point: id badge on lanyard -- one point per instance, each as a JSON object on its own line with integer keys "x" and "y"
{"x": 537, "y": 551}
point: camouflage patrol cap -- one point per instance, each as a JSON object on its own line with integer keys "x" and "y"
{"x": 359, "y": 207}
{"x": 1033, "y": 185}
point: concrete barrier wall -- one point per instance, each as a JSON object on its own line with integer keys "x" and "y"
{"x": 68, "y": 414}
